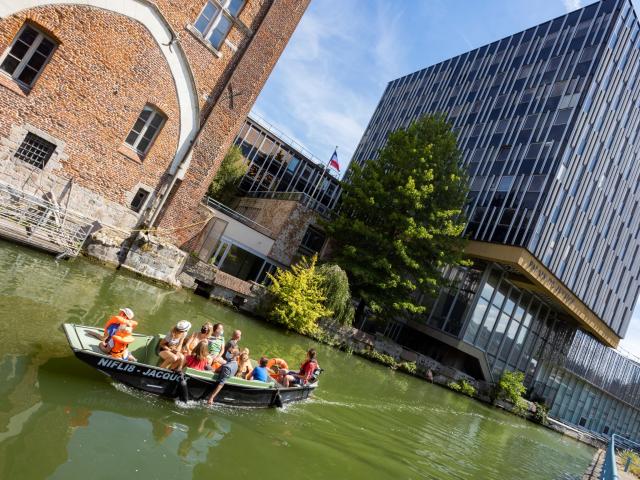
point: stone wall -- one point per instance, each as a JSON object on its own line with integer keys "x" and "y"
{"x": 287, "y": 219}
{"x": 110, "y": 61}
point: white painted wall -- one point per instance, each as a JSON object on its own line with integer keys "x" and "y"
{"x": 239, "y": 233}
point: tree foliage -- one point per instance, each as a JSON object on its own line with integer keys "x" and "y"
{"x": 335, "y": 285}
{"x": 233, "y": 167}
{"x": 297, "y": 297}
{"x": 401, "y": 218}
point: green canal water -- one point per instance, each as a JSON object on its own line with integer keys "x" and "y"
{"x": 61, "y": 419}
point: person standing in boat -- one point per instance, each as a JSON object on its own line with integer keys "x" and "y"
{"x": 124, "y": 317}
{"x": 216, "y": 346}
{"x": 227, "y": 371}
{"x": 171, "y": 346}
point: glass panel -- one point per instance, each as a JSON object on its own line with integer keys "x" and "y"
{"x": 476, "y": 319}
{"x": 28, "y": 75}
{"x": 220, "y": 32}
{"x": 487, "y": 327}
{"x": 9, "y": 65}
{"x": 497, "y": 335}
{"x": 143, "y": 145}
{"x": 45, "y": 47}
{"x": 235, "y": 6}
{"x": 205, "y": 17}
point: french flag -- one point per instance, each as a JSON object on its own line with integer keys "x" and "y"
{"x": 333, "y": 162}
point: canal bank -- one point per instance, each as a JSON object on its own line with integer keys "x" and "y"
{"x": 365, "y": 422}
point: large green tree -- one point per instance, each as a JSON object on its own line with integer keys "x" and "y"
{"x": 232, "y": 169}
{"x": 401, "y": 218}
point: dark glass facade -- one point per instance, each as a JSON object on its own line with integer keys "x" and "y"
{"x": 548, "y": 125}
{"x": 279, "y": 168}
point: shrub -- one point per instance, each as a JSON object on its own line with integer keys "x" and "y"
{"x": 634, "y": 466}
{"x": 232, "y": 169}
{"x": 542, "y": 414}
{"x": 511, "y": 387}
{"x": 408, "y": 367}
{"x": 462, "y": 386}
{"x": 382, "y": 358}
{"x": 335, "y": 284}
{"x": 297, "y": 299}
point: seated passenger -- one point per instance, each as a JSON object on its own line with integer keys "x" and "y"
{"x": 307, "y": 370}
{"x": 124, "y": 317}
{"x": 195, "y": 338}
{"x": 233, "y": 343}
{"x": 261, "y": 372}
{"x": 244, "y": 364}
{"x": 118, "y": 343}
{"x": 171, "y": 346}
{"x": 216, "y": 345}
{"x": 198, "y": 358}
{"x": 227, "y": 371}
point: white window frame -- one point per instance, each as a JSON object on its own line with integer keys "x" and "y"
{"x": 27, "y": 56}
{"x": 222, "y": 7}
{"x": 145, "y": 127}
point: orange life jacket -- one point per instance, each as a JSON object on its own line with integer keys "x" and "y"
{"x": 114, "y": 323}
{"x": 119, "y": 345}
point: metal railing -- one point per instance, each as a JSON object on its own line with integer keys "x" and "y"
{"x": 42, "y": 222}
{"x": 618, "y": 444}
{"x": 222, "y": 208}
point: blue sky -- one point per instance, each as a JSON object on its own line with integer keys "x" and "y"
{"x": 330, "y": 77}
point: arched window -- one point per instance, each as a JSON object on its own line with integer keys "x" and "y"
{"x": 27, "y": 56}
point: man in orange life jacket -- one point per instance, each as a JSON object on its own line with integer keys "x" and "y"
{"x": 119, "y": 342}
{"x": 124, "y": 317}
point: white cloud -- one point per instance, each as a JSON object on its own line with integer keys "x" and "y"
{"x": 571, "y": 5}
{"x": 329, "y": 79}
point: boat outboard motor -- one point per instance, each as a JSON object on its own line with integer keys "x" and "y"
{"x": 315, "y": 375}
{"x": 183, "y": 389}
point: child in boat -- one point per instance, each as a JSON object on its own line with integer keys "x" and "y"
{"x": 119, "y": 342}
{"x": 124, "y": 317}
{"x": 244, "y": 364}
{"x": 261, "y": 372}
{"x": 216, "y": 346}
{"x": 171, "y": 346}
{"x": 198, "y": 358}
{"x": 227, "y": 371}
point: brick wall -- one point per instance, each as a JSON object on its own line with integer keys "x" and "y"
{"x": 89, "y": 96}
{"x": 105, "y": 69}
{"x": 228, "y": 114}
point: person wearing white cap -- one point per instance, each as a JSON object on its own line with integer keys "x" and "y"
{"x": 124, "y": 317}
{"x": 171, "y": 346}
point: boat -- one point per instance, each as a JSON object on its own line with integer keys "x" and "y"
{"x": 191, "y": 384}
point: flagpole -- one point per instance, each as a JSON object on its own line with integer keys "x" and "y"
{"x": 324, "y": 170}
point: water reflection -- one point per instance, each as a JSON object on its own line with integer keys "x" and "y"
{"x": 61, "y": 419}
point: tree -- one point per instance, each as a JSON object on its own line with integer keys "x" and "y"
{"x": 401, "y": 218}
{"x": 297, "y": 298}
{"x": 335, "y": 284}
{"x": 233, "y": 167}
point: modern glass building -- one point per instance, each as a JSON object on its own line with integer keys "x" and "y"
{"x": 547, "y": 120}
{"x": 281, "y": 168}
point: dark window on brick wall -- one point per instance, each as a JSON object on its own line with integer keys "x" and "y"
{"x": 139, "y": 199}
{"x": 35, "y": 150}
{"x": 145, "y": 130}
{"x": 27, "y": 56}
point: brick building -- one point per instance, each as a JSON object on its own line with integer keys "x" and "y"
{"x": 121, "y": 111}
